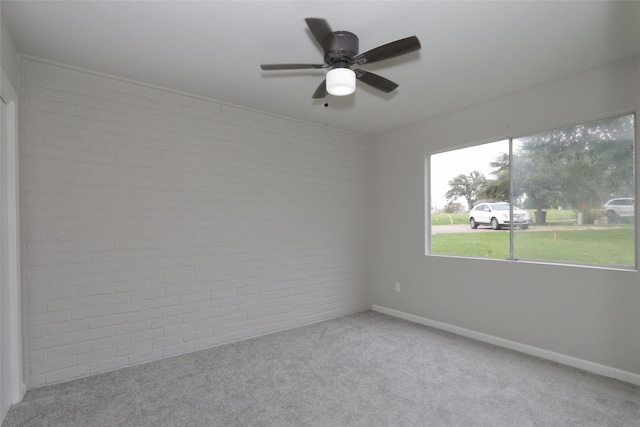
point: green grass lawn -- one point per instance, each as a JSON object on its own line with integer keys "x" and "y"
{"x": 446, "y": 219}
{"x": 557, "y": 215}
{"x": 614, "y": 246}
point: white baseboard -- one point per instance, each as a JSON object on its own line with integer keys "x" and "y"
{"x": 586, "y": 365}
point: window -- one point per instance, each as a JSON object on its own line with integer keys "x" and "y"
{"x": 565, "y": 196}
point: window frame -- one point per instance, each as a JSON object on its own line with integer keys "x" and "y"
{"x": 510, "y": 139}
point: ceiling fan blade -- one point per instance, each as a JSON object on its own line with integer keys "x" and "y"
{"x": 323, "y": 33}
{"x": 321, "y": 91}
{"x": 389, "y": 50}
{"x": 375, "y": 81}
{"x": 270, "y": 67}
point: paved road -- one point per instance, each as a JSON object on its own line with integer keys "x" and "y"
{"x": 465, "y": 228}
{"x": 459, "y": 228}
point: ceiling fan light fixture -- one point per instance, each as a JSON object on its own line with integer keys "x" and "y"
{"x": 341, "y": 81}
{"x": 341, "y": 53}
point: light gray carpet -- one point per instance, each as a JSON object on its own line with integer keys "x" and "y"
{"x": 367, "y": 369}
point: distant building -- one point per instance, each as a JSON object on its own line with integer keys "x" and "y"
{"x": 455, "y": 208}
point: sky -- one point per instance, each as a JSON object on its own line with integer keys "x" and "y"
{"x": 446, "y": 166}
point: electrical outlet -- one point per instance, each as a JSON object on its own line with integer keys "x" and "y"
{"x": 397, "y": 286}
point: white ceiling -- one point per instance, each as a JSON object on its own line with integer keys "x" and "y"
{"x": 471, "y": 51}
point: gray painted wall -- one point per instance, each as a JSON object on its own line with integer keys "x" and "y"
{"x": 8, "y": 57}
{"x": 586, "y": 313}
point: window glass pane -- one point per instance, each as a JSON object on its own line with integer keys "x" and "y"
{"x": 460, "y": 180}
{"x": 579, "y": 185}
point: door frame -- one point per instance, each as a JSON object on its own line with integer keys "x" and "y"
{"x": 10, "y": 245}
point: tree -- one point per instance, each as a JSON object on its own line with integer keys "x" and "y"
{"x": 579, "y": 166}
{"x": 467, "y": 186}
{"x": 498, "y": 188}
{"x": 576, "y": 167}
{"x": 538, "y": 180}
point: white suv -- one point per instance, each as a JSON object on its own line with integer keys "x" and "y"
{"x": 497, "y": 216}
{"x": 619, "y": 207}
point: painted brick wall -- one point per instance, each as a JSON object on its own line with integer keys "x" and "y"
{"x": 156, "y": 223}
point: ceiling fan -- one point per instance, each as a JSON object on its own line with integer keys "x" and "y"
{"x": 341, "y": 53}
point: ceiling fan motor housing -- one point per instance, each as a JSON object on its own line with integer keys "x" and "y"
{"x": 344, "y": 46}
{"x": 341, "y": 53}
